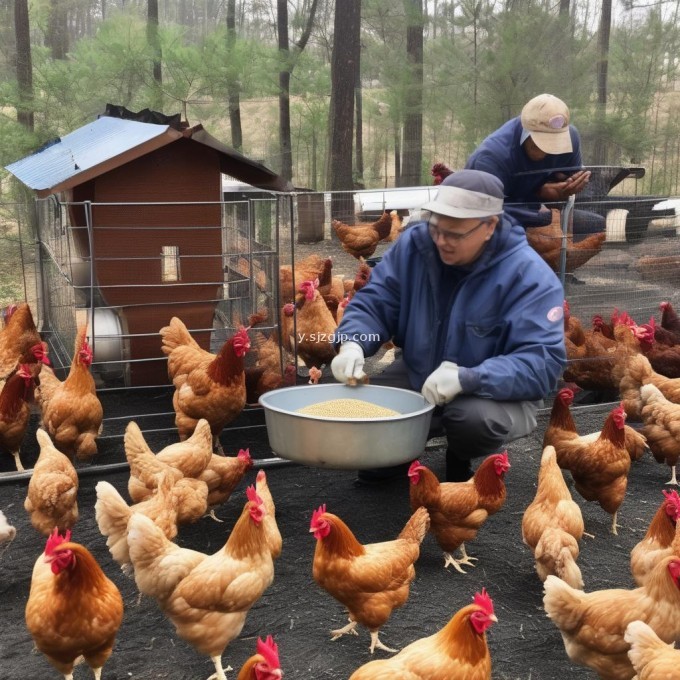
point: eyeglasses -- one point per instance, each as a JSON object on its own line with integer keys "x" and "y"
{"x": 451, "y": 237}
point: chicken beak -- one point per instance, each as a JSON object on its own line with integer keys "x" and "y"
{"x": 493, "y": 618}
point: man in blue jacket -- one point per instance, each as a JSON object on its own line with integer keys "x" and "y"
{"x": 537, "y": 157}
{"x": 477, "y": 315}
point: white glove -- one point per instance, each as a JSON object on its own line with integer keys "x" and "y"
{"x": 442, "y": 385}
{"x": 349, "y": 362}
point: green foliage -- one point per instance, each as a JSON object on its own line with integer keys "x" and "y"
{"x": 483, "y": 60}
{"x": 637, "y": 65}
{"x": 114, "y": 66}
{"x": 525, "y": 56}
{"x": 251, "y": 63}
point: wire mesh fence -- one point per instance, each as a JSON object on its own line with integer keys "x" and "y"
{"x": 126, "y": 269}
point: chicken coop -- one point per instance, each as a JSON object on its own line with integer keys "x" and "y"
{"x": 133, "y": 230}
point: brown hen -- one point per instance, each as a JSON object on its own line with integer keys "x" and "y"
{"x": 552, "y": 524}
{"x": 73, "y": 610}
{"x": 361, "y": 240}
{"x": 15, "y": 411}
{"x": 456, "y": 652}
{"x": 71, "y": 411}
{"x": 458, "y": 509}
{"x": 599, "y": 466}
{"x": 659, "y": 539}
{"x": 370, "y": 580}
{"x": 547, "y": 242}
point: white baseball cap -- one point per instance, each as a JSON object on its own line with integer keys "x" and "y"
{"x": 468, "y": 193}
{"x": 545, "y": 119}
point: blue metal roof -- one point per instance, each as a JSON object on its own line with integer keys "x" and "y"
{"x": 76, "y": 156}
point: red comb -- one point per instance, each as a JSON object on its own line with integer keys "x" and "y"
{"x": 484, "y": 601}
{"x": 56, "y": 539}
{"x": 672, "y": 504}
{"x": 566, "y": 396}
{"x": 251, "y": 493}
{"x": 316, "y": 514}
{"x": 270, "y": 651}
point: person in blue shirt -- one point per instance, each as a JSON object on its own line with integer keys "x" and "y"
{"x": 478, "y": 316}
{"x": 537, "y": 156}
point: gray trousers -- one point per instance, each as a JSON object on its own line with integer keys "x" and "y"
{"x": 473, "y": 426}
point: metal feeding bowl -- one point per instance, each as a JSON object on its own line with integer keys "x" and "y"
{"x": 346, "y": 443}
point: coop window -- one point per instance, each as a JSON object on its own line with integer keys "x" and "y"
{"x": 170, "y": 270}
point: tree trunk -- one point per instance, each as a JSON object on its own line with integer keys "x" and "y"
{"x": 288, "y": 59}
{"x": 359, "y": 139}
{"x": 314, "y": 169}
{"x": 564, "y": 8}
{"x": 397, "y": 156}
{"x": 155, "y": 45}
{"x": 24, "y": 64}
{"x": 56, "y": 37}
{"x": 344, "y": 63}
{"x": 233, "y": 88}
{"x": 600, "y": 147}
{"x": 413, "y": 120}
{"x": 285, "y": 145}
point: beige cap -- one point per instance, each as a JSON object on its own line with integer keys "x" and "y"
{"x": 545, "y": 119}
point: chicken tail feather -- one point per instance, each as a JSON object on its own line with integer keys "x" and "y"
{"x": 202, "y": 434}
{"x": 175, "y": 335}
{"x": 562, "y": 603}
{"x": 644, "y": 643}
{"x": 86, "y": 447}
{"x": 135, "y": 445}
{"x": 417, "y": 526}
{"x": 556, "y": 553}
{"x": 112, "y": 514}
{"x": 567, "y": 569}
{"x": 147, "y": 545}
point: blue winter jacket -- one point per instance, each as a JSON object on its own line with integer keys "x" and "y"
{"x": 505, "y": 328}
{"x": 501, "y": 154}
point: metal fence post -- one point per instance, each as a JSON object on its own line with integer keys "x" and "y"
{"x": 565, "y": 217}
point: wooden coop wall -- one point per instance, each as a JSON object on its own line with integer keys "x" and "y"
{"x": 128, "y": 241}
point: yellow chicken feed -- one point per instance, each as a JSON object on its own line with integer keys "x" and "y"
{"x": 347, "y": 408}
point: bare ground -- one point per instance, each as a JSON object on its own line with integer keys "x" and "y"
{"x": 524, "y": 644}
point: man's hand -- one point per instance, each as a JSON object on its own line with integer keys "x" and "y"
{"x": 349, "y": 363}
{"x": 442, "y": 385}
{"x": 552, "y": 192}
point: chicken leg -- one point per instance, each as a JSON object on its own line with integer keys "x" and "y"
{"x": 349, "y": 628}
{"x": 673, "y": 479}
{"x": 464, "y": 559}
{"x": 219, "y": 673}
{"x": 20, "y": 466}
{"x": 375, "y": 642}
{"x": 614, "y": 524}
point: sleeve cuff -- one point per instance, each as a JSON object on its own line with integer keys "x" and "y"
{"x": 469, "y": 380}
